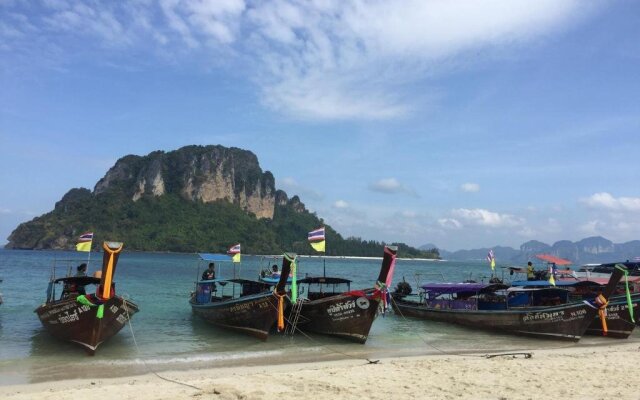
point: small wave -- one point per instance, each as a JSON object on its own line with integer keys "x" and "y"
{"x": 211, "y": 357}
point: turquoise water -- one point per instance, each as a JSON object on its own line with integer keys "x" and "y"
{"x": 164, "y": 335}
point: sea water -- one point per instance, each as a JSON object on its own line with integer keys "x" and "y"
{"x": 165, "y": 335}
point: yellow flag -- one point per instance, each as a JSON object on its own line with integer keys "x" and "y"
{"x": 236, "y": 258}
{"x": 318, "y": 246}
{"x": 84, "y": 246}
{"x": 84, "y": 242}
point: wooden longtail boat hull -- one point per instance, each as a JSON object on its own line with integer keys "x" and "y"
{"x": 565, "y": 322}
{"x": 349, "y": 315}
{"x": 345, "y": 315}
{"x": 619, "y": 324}
{"x": 254, "y": 315}
{"x": 71, "y": 321}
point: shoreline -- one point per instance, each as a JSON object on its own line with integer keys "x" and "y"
{"x": 249, "y": 255}
{"x": 575, "y": 372}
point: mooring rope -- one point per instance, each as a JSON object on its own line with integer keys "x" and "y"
{"x": 135, "y": 342}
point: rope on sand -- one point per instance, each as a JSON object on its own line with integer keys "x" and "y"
{"x": 351, "y": 356}
{"x": 513, "y": 355}
{"x": 135, "y": 342}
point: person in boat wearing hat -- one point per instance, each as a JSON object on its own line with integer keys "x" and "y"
{"x": 81, "y": 270}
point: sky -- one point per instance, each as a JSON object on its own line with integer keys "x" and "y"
{"x": 462, "y": 124}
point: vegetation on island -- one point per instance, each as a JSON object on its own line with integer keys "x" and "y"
{"x": 171, "y": 223}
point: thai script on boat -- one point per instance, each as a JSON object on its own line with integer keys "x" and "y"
{"x": 58, "y": 310}
{"x": 542, "y": 316}
{"x": 261, "y": 303}
{"x": 65, "y": 319}
{"x": 341, "y": 307}
{"x": 240, "y": 307}
{"x": 620, "y": 307}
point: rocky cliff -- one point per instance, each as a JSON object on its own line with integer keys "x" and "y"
{"x": 194, "y": 199}
{"x": 196, "y": 173}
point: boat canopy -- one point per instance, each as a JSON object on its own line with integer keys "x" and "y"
{"x": 542, "y": 291}
{"x": 558, "y": 283}
{"x": 458, "y": 287}
{"x": 214, "y": 257}
{"x": 79, "y": 280}
{"x": 553, "y": 259}
{"x": 323, "y": 280}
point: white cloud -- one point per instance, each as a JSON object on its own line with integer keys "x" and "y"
{"x": 470, "y": 187}
{"x": 325, "y": 59}
{"x": 481, "y": 217}
{"x": 335, "y": 59}
{"x": 616, "y": 218}
{"x": 450, "y": 223}
{"x": 386, "y": 185}
{"x": 391, "y": 186}
{"x": 292, "y": 187}
{"x": 606, "y": 201}
{"x": 408, "y": 214}
{"x": 341, "y": 204}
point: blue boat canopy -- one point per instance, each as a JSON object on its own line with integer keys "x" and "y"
{"x": 213, "y": 257}
{"x": 458, "y": 287}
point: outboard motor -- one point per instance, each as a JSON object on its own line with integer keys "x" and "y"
{"x": 403, "y": 289}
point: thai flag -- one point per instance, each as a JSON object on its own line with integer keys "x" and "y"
{"x": 85, "y": 237}
{"x": 234, "y": 249}
{"x": 490, "y": 256}
{"x": 317, "y": 235}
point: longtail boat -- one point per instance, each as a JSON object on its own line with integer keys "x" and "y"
{"x": 346, "y": 314}
{"x": 82, "y": 318}
{"x": 541, "y": 313}
{"x": 618, "y": 321}
{"x": 242, "y": 305}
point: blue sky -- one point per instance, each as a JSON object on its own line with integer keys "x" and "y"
{"x": 460, "y": 123}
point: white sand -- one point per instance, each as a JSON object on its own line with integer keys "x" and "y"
{"x": 601, "y": 372}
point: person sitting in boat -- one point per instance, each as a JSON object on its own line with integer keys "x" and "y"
{"x": 274, "y": 271}
{"x": 209, "y": 273}
{"x": 531, "y": 276}
{"x": 81, "y": 270}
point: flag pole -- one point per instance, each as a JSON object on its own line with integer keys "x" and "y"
{"x": 89, "y": 255}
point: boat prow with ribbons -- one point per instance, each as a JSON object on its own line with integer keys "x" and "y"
{"x": 330, "y": 307}
{"x": 82, "y": 317}
{"x": 242, "y": 305}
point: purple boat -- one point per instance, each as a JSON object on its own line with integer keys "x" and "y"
{"x": 542, "y": 313}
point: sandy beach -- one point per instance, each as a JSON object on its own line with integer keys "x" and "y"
{"x": 594, "y": 372}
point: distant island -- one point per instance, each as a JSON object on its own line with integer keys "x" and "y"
{"x": 594, "y": 249}
{"x": 194, "y": 199}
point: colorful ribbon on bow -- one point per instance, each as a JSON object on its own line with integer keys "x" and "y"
{"x": 602, "y": 303}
